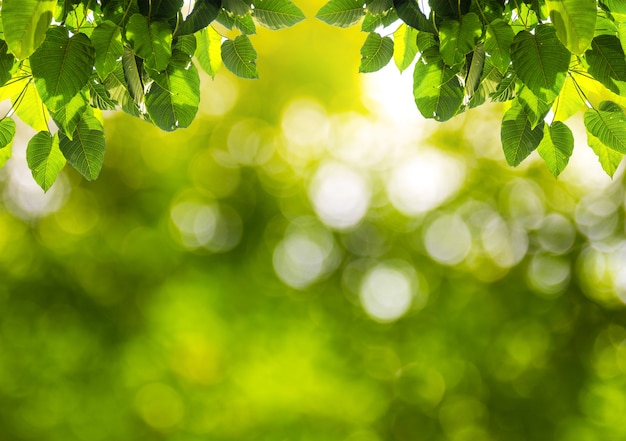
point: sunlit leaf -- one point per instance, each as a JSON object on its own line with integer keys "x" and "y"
{"x": 107, "y": 41}
{"x": 25, "y": 23}
{"x": 536, "y": 109}
{"x": 574, "y": 21}
{"x": 376, "y": 52}
{"x": 474, "y": 73}
{"x": 276, "y": 14}
{"x": 209, "y": 50}
{"x": 405, "y": 46}
{"x": 458, "y": 38}
{"x": 569, "y": 101}
{"x": 498, "y": 43}
{"x": 67, "y": 117}
{"x": 151, "y": 41}
{"x": 438, "y": 93}
{"x": 45, "y": 159}
{"x": 609, "y": 158}
{"x": 556, "y": 147}
{"x": 7, "y": 132}
{"x": 608, "y": 124}
{"x": 343, "y": 13}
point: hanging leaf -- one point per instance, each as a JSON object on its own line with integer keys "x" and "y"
{"x": 556, "y": 147}
{"x": 568, "y": 103}
{"x": 518, "y": 138}
{"x": 474, "y": 73}
{"x": 119, "y": 11}
{"x": 506, "y": 88}
{"x": 405, "y": 46}
{"x": 239, "y": 57}
{"x": 118, "y": 89}
{"x": 276, "y": 14}
{"x": 62, "y": 66}
{"x": 203, "y": 13}
{"x": 25, "y": 23}
{"x": 541, "y": 61}
{"x": 45, "y": 159}
{"x": 498, "y": 43}
{"x": 151, "y": 41}
{"x": 237, "y": 7}
{"x": 242, "y": 22}
{"x": 375, "y": 53}
{"x": 489, "y": 82}
{"x": 132, "y": 76}
{"x": 450, "y": 8}
{"x": 107, "y": 41}
{"x": 372, "y": 22}
{"x": 5, "y": 155}
{"x": 209, "y": 51}
{"x": 607, "y": 62}
{"x": 159, "y": 8}
{"x": 342, "y": 13}
{"x": 574, "y": 21}
{"x": 608, "y": 124}
{"x": 173, "y": 98}
{"x": 7, "y": 132}
{"x": 609, "y": 158}
{"x": 438, "y": 93}
{"x": 379, "y": 6}
{"x": 536, "y": 109}
{"x": 458, "y": 38}
{"x": 7, "y": 63}
{"x": 99, "y": 96}
{"x": 28, "y": 105}
{"x": 85, "y": 151}
{"x": 67, "y": 117}
{"x": 410, "y": 13}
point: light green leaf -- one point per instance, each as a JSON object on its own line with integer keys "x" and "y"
{"x": 152, "y": 41}
{"x": 506, "y": 89}
{"x": 132, "y": 76}
{"x": 26, "y": 100}
{"x": 209, "y": 50}
{"x": 541, "y": 61}
{"x": 607, "y": 62}
{"x": 489, "y": 82}
{"x": 99, "y": 97}
{"x": 203, "y": 13}
{"x": 173, "y": 98}
{"x": 568, "y": 103}
{"x": 25, "y": 23}
{"x": 574, "y": 21}
{"x": 119, "y": 11}
{"x": 405, "y": 46}
{"x": 609, "y": 158}
{"x": 5, "y": 155}
{"x": 474, "y": 73}
{"x": 7, "y": 132}
{"x": 239, "y": 57}
{"x": 67, "y": 117}
{"x": 536, "y": 109}
{"x": 107, "y": 41}
{"x": 556, "y": 147}
{"x": 437, "y": 91}
{"x": 410, "y": 13}
{"x": 85, "y": 151}
{"x": 518, "y": 138}
{"x": 375, "y": 53}
{"x": 458, "y": 38}
{"x": 45, "y": 159}
{"x": 498, "y": 43}
{"x": 342, "y": 13}
{"x": 608, "y": 124}
{"x": 616, "y": 6}
{"x": 62, "y": 66}
{"x": 276, "y": 14}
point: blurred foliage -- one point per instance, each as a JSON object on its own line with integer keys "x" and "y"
{"x": 313, "y": 262}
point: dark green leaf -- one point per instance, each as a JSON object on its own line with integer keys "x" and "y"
{"x": 458, "y": 38}
{"x": 239, "y": 57}
{"x": 118, "y": 89}
{"x": 242, "y": 22}
{"x": 379, "y": 6}
{"x": 607, "y": 62}
{"x": 410, "y": 13}
{"x": 132, "y": 76}
{"x": 489, "y": 82}
{"x": 160, "y": 8}
{"x": 7, "y": 63}
{"x": 276, "y": 14}
{"x": 203, "y": 13}
{"x": 608, "y": 124}
{"x": 119, "y": 11}
{"x": 107, "y": 41}
{"x": 556, "y": 147}
{"x": 498, "y": 43}
{"x": 376, "y": 53}
{"x": 45, "y": 159}
{"x": 62, "y": 66}
{"x": 518, "y": 138}
{"x": 85, "y": 151}
{"x": 237, "y": 7}
{"x": 450, "y": 8}
{"x": 151, "y": 41}
{"x": 372, "y": 22}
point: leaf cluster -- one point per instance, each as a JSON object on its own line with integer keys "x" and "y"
{"x": 547, "y": 59}
{"x": 62, "y": 62}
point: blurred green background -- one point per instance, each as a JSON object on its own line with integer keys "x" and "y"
{"x": 311, "y": 260}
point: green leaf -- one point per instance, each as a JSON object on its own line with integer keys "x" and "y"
{"x": 119, "y": 11}
{"x": 7, "y": 63}
{"x": 173, "y": 98}
{"x": 26, "y": 100}
{"x": 518, "y": 138}
{"x": 7, "y": 132}
{"x": 536, "y": 109}
{"x": 498, "y": 43}
{"x": 405, "y": 46}
{"x": 151, "y": 41}
{"x": 62, "y": 66}
{"x": 410, "y": 13}
{"x": 67, "y": 117}
{"x": 99, "y": 97}
{"x": 379, "y": 6}
{"x": 85, "y": 151}
{"x": 372, "y": 22}
{"x": 568, "y": 102}
{"x": 209, "y": 51}
{"x": 132, "y": 76}
{"x": 5, "y": 155}
{"x": 541, "y": 61}
{"x": 25, "y": 23}
{"x": 609, "y": 158}
{"x": 107, "y": 41}
{"x": 342, "y": 13}
{"x": 556, "y": 147}
{"x": 474, "y": 74}
{"x": 242, "y": 22}
{"x": 239, "y": 57}
{"x": 506, "y": 89}
{"x": 607, "y": 62}
{"x": 203, "y": 13}
{"x": 574, "y": 21}
{"x": 449, "y": 8}
{"x": 376, "y": 52}
{"x": 489, "y": 82}
{"x": 160, "y": 8}
{"x": 45, "y": 159}
{"x": 118, "y": 89}
{"x": 458, "y": 38}
{"x": 237, "y": 7}
{"x": 276, "y": 14}
{"x": 437, "y": 91}
{"x": 608, "y": 124}
{"x": 616, "y": 6}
